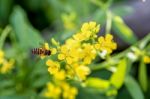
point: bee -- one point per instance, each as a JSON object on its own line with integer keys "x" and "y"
{"x": 41, "y": 51}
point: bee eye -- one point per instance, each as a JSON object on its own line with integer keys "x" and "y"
{"x": 49, "y": 52}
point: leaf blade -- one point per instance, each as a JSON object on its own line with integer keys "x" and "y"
{"x": 123, "y": 31}
{"x": 118, "y": 77}
{"x": 133, "y": 88}
{"x": 143, "y": 76}
{"x": 27, "y": 36}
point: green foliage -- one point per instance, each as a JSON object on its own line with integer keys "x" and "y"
{"x": 117, "y": 79}
{"x": 27, "y": 36}
{"x": 88, "y": 93}
{"x": 143, "y": 79}
{"x": 97, "y": 83}
{"x": 133, "y": 87}
{"x": 123, "y": 31}
{"x": 28, "y": 78}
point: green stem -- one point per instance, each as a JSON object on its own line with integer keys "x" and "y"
{"x": 3, "y": 36}
{"x": 105, "y": 8}
{"x": 108, "y": 21}
{"x": 116, "y": 58}
{"x": 108, "y": 4}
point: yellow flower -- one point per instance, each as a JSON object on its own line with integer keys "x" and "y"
{"x": 46, "y": 46}
{"x": 68, "y": 91}
{"x": 60, "y": 75}
{"x": 89, "y": 53}
{"x": 82, "y": 72}
{"x": 7, "y": 66}
{"x": 88, "y": 30}
{"x": 70, "y": 73}
{"x": 52, "y": 91}
{"x": 69, "y": 60}
{"x": 1, "y": 54}
{"x": 1, "y": 60}
{"x": 53, "y": 51}
{"x": 53, "y": 66}
{"x": 63, "y": 52}
{"x": 72, "y": 43}
{"x": 79, "y": 36}
{"x": 60, "y": 90}
{"x": 61, "y": 56}
{"x": 146, "y": 59}
{"x": 90, "y": 27}
{"x": 70, "y": 51}
{"x": 106, "y": 44}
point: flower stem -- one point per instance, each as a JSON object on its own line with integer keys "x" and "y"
{"x": 108, "y": 22}
{"x": 3, "y": 36}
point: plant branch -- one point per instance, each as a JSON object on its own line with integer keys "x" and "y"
{"x": 108, "y": 22}
{"x": 3, "y": 36}
{"x": 116, "y": 58}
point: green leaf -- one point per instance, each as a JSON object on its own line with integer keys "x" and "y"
{"x": 118, "y": 77}
{"x": 5, "y": 84}
{"x": 143, "y": 76}
{"x": 28, "y": 36}
{"x": 133, "y": 88}
{"x": 40, "y": 81}
{"x": 97, "y": 83}
{"x": 123, "y": 31}
{"x": 88, "y": 93}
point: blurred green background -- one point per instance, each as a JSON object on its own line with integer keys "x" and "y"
{"x": 26, "y": 23}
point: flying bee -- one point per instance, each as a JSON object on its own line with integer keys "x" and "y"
{"x": 41, "y": 51}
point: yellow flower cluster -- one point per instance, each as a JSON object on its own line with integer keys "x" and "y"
{"x": 53, "y": 66}
{"x": 88, "y": 31}
{"x": 52, "y": 91}
{"x": 146, "y": 59}
{"x": 75, "y": 56}
{"x": 5, "y": 65}
{"x": 63, "y": 89}
{"x": 106, "y": 44}
{"x": 79, "y": 51}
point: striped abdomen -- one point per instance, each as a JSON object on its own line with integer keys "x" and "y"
{"x": 41, "y": 51}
